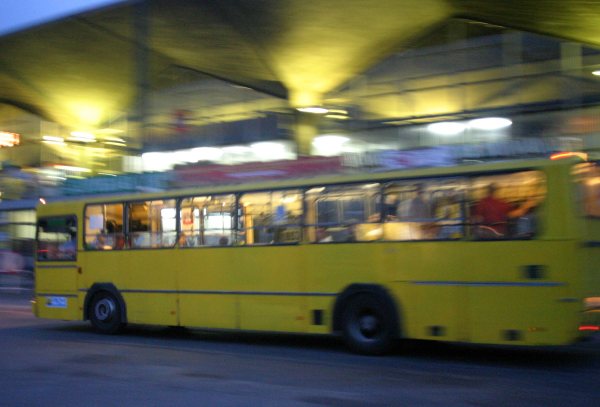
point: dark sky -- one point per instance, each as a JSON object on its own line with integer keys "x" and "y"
{"x": 20, "y": 14}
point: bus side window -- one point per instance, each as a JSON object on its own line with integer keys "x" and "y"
{"x": 152, "y": 224}
{"x": 271, "y": 217}
{"x": 427, "y": 209}
{"x": 507, "y": 206}
{"x": 57, "y": 238}
{"x": 349, "y": 213}
{"x": 208, "y": 220}
{"x": 104, "y": 227}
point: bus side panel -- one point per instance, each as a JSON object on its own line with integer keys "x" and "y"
{"x": 151, "y": 308}
{"x": 207, "y": 281}
{"x": 56, "y": 291}
{"x": 146, "y": 279}
{"x": 522, "y": 315}
{"x": 56, "y": 278}
{"x": 269, "y": 279}
{"x": 521, "y": 292}
{"x": 427, "y": 278}
{"x": 57, "y": 306}
{"x": 432, "y": 312}
{"x": 329, "y": 268}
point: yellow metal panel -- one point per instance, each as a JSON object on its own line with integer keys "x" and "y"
{"x": 152, "y": 308}
{"x": 534, "y": 311}
{"x": 48, "y": 307}
{"x": 208, "y": 310}
{"x": 270, "y": 270}
{"x": 56, "y": 278}
{"x": 272, "y": 313}
{"x": 424, "y": 307}
{"x": 325, "y": 304}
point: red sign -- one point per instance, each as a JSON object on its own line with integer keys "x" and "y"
{"x": 257, "y": 171}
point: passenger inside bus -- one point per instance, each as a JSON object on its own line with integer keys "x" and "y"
{"x": 68, "y": 249}
{"x": 417, "y": 211}
{"x": 491, "y": 215}
{"x": 182, "y": 241}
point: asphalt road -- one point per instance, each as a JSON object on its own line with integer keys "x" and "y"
{"x": 57, "y": 363}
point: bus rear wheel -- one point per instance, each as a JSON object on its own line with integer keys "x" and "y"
{"x": 105, "y": 313}
{"x": 367, "y": 326}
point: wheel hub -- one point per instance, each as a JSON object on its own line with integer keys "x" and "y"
{"x": 105, "y": 309}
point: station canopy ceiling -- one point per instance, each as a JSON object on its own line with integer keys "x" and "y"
{"x": 75, "y": 70}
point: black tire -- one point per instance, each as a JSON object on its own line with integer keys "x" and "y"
{"x": 368, "y": 325}
{"x": 105, "y": 313}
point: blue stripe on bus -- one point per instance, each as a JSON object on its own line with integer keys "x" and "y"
{"x": 226, "y": 292}
{"x": 58, "y": 295}
{"x": 490, "y": 284}
{"x": 65, "y": 266}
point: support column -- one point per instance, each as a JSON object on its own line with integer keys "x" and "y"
{"x": 306, "y": 125}
{"x": 141, "y": 70}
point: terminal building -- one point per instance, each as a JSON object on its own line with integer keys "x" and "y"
{"x": 128, "y": 96}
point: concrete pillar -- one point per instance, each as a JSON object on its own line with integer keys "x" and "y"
{"x": 306, "y": 125}
{"x": 141, "y": 70}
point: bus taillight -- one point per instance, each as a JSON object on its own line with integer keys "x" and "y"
{"x": 567, "y": 154}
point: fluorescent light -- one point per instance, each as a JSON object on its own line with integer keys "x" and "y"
{"x": 69, "y": 168}
{"x": 52, "y": 138}
{"x": 207, "y": 153}
{"x": 597, "y": 72}
{"x": 82, "y": 134}
{"x": 313, "y": 109}
{"x": 186, "y": 156}
{"x": 114, "y": 139}
{"x": 446, "y": 128}
{"x": 329, "y": 142}
{"x": 58, "y": 143}
{"x": 490, "y": 123}
{"x": 237, "y": 149}
{"x": 268, "y": 150}
{"x": 82, "y": 139}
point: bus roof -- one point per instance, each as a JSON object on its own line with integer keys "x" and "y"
{"x": 374, "y": 176}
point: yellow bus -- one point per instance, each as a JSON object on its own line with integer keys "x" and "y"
{"x": 374, "y": 257}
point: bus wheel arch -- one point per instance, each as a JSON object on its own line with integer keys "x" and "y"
{"x": 105, "y": 307}
{"x": 368, "y": 318}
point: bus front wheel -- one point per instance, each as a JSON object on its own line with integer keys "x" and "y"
{"x": 105, "y": 313}
{"x": 366, "y": 326}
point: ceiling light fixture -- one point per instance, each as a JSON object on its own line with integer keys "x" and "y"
{"x": 446, "y": 128}
{"x": 490, "y": 123}
{"x": 313, "y": 109}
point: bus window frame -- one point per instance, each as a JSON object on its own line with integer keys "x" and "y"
{"x": 70, "y": 216}
{"x": 127, "y": 224}
{"x": 538, "y": 231}
{"x": 233, "y": 230}
{"x": 579, "y": 199}
{"x": 301, "y": 225}
{"x": 316, "y": 225}
{"x": 123, "y": 233}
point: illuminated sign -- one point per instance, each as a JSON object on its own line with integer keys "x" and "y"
{"x": 8, "y": 139}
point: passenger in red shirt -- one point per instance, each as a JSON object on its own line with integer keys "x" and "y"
{"x": 491, "y": 214}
